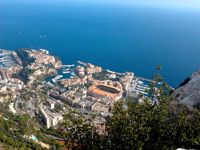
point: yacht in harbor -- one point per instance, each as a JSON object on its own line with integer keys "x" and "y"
{"x": 66, "y": 71}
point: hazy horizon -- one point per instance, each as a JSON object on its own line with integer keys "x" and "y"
{"x": 175, "y": 4}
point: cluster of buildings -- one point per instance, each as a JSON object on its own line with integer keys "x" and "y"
{"x": 90, "y": 69}
{"x": 80, "y": 99}
{"x": 8, "y": 81}
{"x": 10, "y": 64}
{"x": 87, "y": 69}
{"x": 50, "y": 117}
{"x": 73, "y": 81}
{"x": 85, "y": 92}
{"x": 89, "y": 89}
{"x": 126, "y": 80}
{"x": 92, "y": 95}
{"x": 9, "y": 59}
{"x": 41, "y": 58}
{"x": 42, "y": 64}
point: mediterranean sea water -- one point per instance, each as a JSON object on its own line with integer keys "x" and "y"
{"x": 118, "y": 37}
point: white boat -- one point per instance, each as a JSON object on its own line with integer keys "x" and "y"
{"x": 66, "y": 72}
{"x": 72, "y": 65}
{"x": 73, "y": 74}
{"x": 140, "y": 82}
{"x": 58, "y": 77}
{"x": 50, "y": 84}
{"x": 68, "y": 69}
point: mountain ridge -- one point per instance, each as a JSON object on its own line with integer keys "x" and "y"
{"x": 189, "y": 91}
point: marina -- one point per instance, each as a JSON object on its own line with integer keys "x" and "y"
{"x": 8, "y": 59}
{"x": 55, "y": 79}
{"x": 66, "y": 71}
{"x": 68, "y": 66}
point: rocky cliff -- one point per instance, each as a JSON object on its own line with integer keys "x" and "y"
{"x": 189, "y": 91}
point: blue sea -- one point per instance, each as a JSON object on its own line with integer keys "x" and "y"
{"x": 116, "y": 36}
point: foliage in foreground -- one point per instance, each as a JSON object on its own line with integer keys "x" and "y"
{"x": 164, "y": 124}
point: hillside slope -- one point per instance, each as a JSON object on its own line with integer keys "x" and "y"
{"x": 189, "y": 92}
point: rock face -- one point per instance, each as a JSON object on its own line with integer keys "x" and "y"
{"x": 189, "y": 92}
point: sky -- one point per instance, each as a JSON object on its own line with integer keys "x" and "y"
{"x": 179, "y": 4}
{"x": 192, "y": 4}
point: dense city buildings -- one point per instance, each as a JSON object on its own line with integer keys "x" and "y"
{"x": 37, "y": 83}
